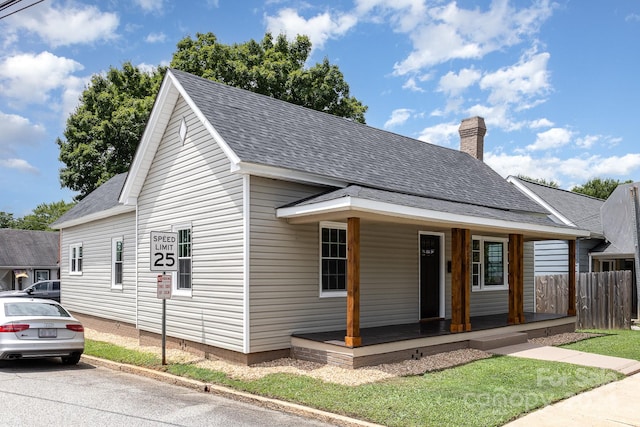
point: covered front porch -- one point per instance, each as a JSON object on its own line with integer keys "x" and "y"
{"x": 473, "y": 268}
{"x": 394, "y": 343}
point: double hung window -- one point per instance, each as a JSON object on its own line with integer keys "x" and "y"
{"x": 333, "y": 259}
{"x": 117, "y": 248}
{"x": 184, "y": 259}
{"x": 75, "y": 259}
{"x": 489, "y": 263}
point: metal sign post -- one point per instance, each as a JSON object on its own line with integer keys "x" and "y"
{"x": 164, "y": 293}
{"x": 163, "y": 256}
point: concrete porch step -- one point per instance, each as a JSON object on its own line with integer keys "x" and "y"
{"x": 496, "y": 341}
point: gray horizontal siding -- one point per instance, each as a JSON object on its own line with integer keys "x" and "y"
{"x": 192, "y": 183}
{"x": 551, "y": 257}
{"x": 285, "y": 290}
{"x": 91, "y": 292}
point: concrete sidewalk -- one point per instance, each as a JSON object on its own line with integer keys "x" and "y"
{"x": 557, "y": 354}
{"x": 614, "y": 404}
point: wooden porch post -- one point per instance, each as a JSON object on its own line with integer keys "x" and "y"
{"x": 516, "y": 279}
{"x": 353, "y": 339}
{"x": 460, "y": 280}
{"x": 571, "y": 311}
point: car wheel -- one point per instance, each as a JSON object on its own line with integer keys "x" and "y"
{"x": 72, "y": 359}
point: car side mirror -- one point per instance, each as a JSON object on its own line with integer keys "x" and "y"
{"x": 30, "y": 291}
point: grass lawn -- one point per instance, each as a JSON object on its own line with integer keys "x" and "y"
{"x": 619, "y": 343}
{"x": 487, "y": 392}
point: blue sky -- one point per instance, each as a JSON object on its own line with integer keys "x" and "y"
{"x": 556, "y": 81}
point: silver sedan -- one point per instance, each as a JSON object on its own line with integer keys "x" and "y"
{"x": 38, "y": 328}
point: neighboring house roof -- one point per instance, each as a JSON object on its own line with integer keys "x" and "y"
{"x": 609, "y": 250}
{"x": 28, "y": 248}
{"x": 568, "y": 207}
{"x": 101, "y": 202}
{"x": 620, "y": 220}
{"x": 259, "y": 132}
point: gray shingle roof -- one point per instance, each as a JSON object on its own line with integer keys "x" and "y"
{"x": 102, "y": 198}
{"x": 431, "y": 204}
{"x": 583, "y": 211}
{"x": 266, "y": 131}
{"x": 28, "y": 248}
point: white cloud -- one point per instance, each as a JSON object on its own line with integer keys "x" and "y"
{"x": 632, "y": 17}
{"x": 579, "y": 169}
{"x": 588, "y": 141}
{"x": 525, "y": 80}
{"x": 18, "y": 164}
{"x": 495, "y": 116}
{"x": 150, "y": 5}
{"x": 540, "y": 123}
{"x": 398, "y": 117}
{"x": 454, "y": 84}
{"x": 16, "y": 131}
{"x": 319, "y": 28}
{"x": 412, "y": 85}
{"x": 447, "y": 32}
{"x": 440, "y": 134}
{"x": 73, "y": 88}
{"x": 615, "y": 165}
{"x": 156, "y": 38}
{"x": 404, "y": 14}
{"x": 66, "y": 24}
{"x": 20, "y": 74}
{"x": 523, "y": 164}
{"x": 552, "y": 138}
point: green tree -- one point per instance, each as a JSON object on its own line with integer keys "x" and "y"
{"x": 598, "y": 187}
{"x": 271, "y": 67}
{"x": 43, "y": 216}
{"x": 6, "y": 220}
{"x": 102, "y": 134}
{"x": 542, "y": 181}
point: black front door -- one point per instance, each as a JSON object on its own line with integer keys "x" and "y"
{"x": 429, "y": 276}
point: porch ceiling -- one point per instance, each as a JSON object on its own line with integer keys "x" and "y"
{"x": 385, "y": 206}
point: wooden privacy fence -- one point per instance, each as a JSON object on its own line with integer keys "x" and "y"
{"x": 603, "y": 300}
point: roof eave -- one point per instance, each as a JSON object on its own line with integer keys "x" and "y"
{"x": 274, "y": 172}
{"x": 354, "y": 206}
{"x": 116, "y": 210}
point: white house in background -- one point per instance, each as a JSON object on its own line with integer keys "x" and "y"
{"x": 568, "y": 208}
{"x": 291, "y": 221}
{"x": 612, "y": 223}
{"x": 26, "y": 257}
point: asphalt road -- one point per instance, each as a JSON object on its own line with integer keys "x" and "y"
{"x": 47, "y": 393}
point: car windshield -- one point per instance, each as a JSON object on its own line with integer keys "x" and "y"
{"x": 34, "y": 309}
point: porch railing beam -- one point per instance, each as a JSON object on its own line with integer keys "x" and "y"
{"x": 571, "y": 311}
{"x": 460, "y": 280}
{"x": 516, "y": 279}
{"x": 353, "y": 338}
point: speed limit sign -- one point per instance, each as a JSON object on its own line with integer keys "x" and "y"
{"x": 164, "y": 251}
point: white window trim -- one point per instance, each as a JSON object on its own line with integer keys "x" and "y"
{"x": 323, "y": 293}
{"x": 71, "y": 271}
{"x": 114, "y": 243}
{"x": 505, "y": 257}
{"x": 175, "y": 291}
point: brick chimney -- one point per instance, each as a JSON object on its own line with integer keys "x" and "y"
{"x": 472, "y": 131}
